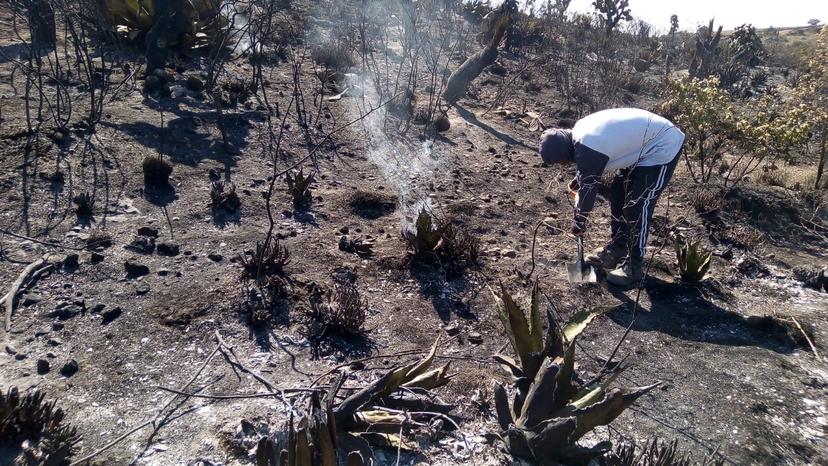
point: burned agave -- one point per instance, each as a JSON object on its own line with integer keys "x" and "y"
{"x": 432, "y": 241}
{"x": 299, "y": 187}
{"x": 223, "y": 196}
{"x": 654, "y": 453}
{"x": 693, "y": 260}
{"x": 32, "y": 430}
{"x": 329, "y": 434}
{"x": 551, "y": 409}
{"x": 270, "y": 258}
{"x": 343, "y": 312}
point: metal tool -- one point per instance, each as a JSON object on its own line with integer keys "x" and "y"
{"x": 578, "y": 271}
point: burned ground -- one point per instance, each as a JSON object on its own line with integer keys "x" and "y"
{"x": 739, "y": 377}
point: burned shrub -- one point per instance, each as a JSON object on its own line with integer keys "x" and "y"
{"x": 84, "y": 205}
{"x": 157, "y": 172}
{"x": 654, "y": 453}
{"x": 359, "y": 246}
{"x": 223, "y": 197}
{"x": 706, "y": 201}
{"x": 436, "y": 241}
{"x": 333, "y": 55}
{"x": 299, "y": 187}
{"x": 261, "y": 302}
{"x": 32, "y": 431}
{"x": 551, "y": 408}
{"x": 343, "y": 312}
{"x": 269, "y": 258}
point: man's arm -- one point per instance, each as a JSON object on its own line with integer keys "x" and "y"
{"x": 591, "y": 164}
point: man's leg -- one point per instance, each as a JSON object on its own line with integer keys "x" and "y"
{"x": 645, "y": 186}
{"x": 614, "y": 252}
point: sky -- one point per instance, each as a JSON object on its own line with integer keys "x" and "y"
{"x": 729, "y": 13}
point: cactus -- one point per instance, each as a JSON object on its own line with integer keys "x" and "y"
{"x": 706, "y": 53}
{"x": 693, "y": 260}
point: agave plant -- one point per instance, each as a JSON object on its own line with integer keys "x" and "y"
{"x": 427, "y": 238}
{"x": 551, "y": 408}
{"x": 693, "y": 260}
{"x": 655, "y": 453}
{"x": 329, "y": 435}
{"x": 299, "y": 187}
{"x": 33, "y": 431}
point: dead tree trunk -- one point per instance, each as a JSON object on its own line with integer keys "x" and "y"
{"x": 41, "y": 19}
{"x": 460, "y": 79}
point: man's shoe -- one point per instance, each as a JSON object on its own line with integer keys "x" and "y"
{"x": 607, "y": 257}
{"x": 626, "y": 276}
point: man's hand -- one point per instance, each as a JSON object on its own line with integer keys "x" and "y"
{"x": 578, "y": 229}
{"x": 573, "y": 188}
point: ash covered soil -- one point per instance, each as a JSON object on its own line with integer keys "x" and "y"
{"x": 738, "y": 378}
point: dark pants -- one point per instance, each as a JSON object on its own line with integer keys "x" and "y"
{"x": 633, "y": 196}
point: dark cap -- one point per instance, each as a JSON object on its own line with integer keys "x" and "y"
{"x": 556, "y": 146}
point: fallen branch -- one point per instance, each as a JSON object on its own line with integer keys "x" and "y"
{"x": 9, "y": 298}
{"x": 238, "y": 396}
{"x": 807, "y": 338}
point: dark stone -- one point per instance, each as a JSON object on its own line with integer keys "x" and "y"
{"x": 110, "y": 315}
{"x": 40, "y": 332}
{"x": 142, "y": 289}
{"x": 69, "y": 369}
{"x": 57, "y": 326}
{"x": 194, "y": 84}
{"x": 97, "y": 308}
{"x": 134, "y": 269}
{"x": 71, "y": 261}
{"x": 10, "y": 349}
{"x": 475, "y": 338}
{"x": 148, "y": 231}
{"x": 54, "y": 342}
{"x": 215, "y": 257}
{"x": 31, "y": 298}
{"x": 168, "y": 249}
{"x": 43, "y": 366}
{"x": 142, "y": 245}
{"x": 344, "y": 230}
{"x": 19, "y": 356}
{"x": 163, "y": 272}
{"x": 66, "y": 311}
{"x": 96, "y": 258}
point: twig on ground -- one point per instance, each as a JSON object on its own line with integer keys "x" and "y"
{"x": 237, "y": 396}
{"x": 807, "y": 338}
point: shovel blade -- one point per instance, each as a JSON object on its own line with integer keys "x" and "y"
{"x": 580, "y": 272}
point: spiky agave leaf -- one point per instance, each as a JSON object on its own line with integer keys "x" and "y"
{"x": 430, "y": 380}
{"x": 527, "y": 342}
{"x": 606, "y": 410}
{"x": 579, "y": 322}
{"x": 693, "y": 259}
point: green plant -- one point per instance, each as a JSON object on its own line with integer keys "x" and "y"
{"x": 84, "y": 204}
{"x": 343, "y": 312}
{"x": 813, "y": 93}
{"x": 32, "y": 431}
{"x": 157, "y": 171}
{"x": 551, "y": 408}
{"x": 269, "y": 258}
{"x": 299, "y": 187}
{"x": 693, "y": 260}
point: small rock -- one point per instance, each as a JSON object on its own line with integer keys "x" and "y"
{"x": 452, "y": 329}
{"x": 31, "y": 298}
{"x": 163, "y": 272}
{"x": 215, "y": 257}
{"x": 475, "y": 338}
{"x": 510, "y": 253}
{"x": 344, "y": 230}
{"x": 194, "y": 84}
{"x": 10, "y": 349}
{"x": 148, "y": 231}
{"x": 19, "y": 357}
{"x": 57, "y": 326}
{"x": 54, "y": 342}
{"x": 142, "y": 289}
{"x": 96, "y": 258}
{"x": 71, "y": 261}
{"x": 110, "y": 315}
{"x": 69, "y": 369}
{"x": 97, "y": 308}
{"x": 167, "y": 249}
{"x": 41, "y": 332}
{"x": 134, "y": 269}
{"x": 142, "y": 245}
{"x": 43, "y": 366}
{"x": 51, "y": 355}
{"x": 66, "y": 311}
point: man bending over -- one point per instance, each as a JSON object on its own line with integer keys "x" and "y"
{"x": 642, "y": 149}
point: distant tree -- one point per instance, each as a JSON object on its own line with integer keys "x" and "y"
{"x": 707, "y": 52}
{"x": 555, "y": 8}
{"x": 813, "y": 22}
{"x": 813, "y": 92}
{"x": 612, "y": 12}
